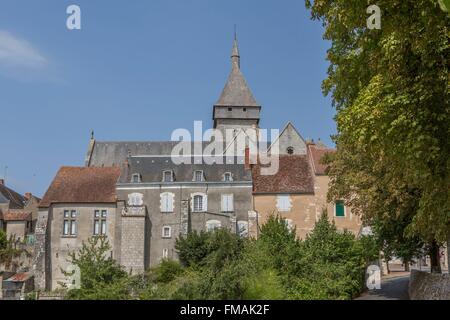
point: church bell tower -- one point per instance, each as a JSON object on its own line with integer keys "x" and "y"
{"x": 236, "y": 107}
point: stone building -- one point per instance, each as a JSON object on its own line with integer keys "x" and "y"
{"x": 164, "y": 200}
{"x": 143, "y": 197}
{"x": 18, "y": 213}
{"x": 298, "y": 192}
{"x": 81, "y": 202}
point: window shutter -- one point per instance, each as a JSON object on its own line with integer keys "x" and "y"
{"x": 205, "y": 203}
{"x": 230, "y": 203}
{"x": 224, "y": 203}
{"x": 169, "y": 199}
{"x": 340, "y": 208}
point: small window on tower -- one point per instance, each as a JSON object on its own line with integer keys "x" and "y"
{"x": 290, "y": 150}
{"x": 245, "y": 109}
{"x": 230, "y": 109}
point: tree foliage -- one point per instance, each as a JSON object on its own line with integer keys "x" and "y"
{"x": 101, "y": 277}
{"x": 391, "y": 91}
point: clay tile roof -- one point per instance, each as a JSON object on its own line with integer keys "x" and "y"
{"x": 294, "y": 176}
{"x": 316, "y": 153}
{"x": 17, "y": 215}
{"x": 82, "y": 185}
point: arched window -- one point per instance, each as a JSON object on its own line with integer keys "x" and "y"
{"x": 199, "y": 202}
{"x": 227, "y": 177}
{"x": 135, "y": 199}
{"x": 167, "y": 202}
{"x": 212, "y": 225}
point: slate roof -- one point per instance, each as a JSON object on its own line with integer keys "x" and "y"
{"x": 294, "y": 176}
{"x": 16, "y": 200}
{"x": 151, "y": 169}
{"x": 236, "y": 92}
{"x": 82, "y": 185}
{"x": 316, "y": 153}
{"x": 17, "y": 215}
{"x": 114, "y": 153}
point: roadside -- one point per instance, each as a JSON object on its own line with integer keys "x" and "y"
{"x": 393, "y": 287}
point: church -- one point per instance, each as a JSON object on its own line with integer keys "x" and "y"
{"x": 134, "y": 192}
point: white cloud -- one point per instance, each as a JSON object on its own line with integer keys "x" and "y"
{"x": 18, "y": 53}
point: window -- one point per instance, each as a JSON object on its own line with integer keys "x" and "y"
{"x": 212, "y": 225}
{"x": 135, "y": 199}
{"x": 339, "y": 209}
{"x": 290, "y": 224}
{"x": 290, "y": 150}
{"x": 167, "y": 202}
{"x": 242, "y": 229}
{"x": 199, "y": 202}
{"x": 245, "y": 109}
{"x": 166, "y": 232}
{"x": 100, "y": 222}
{"x": 136, "y": 178}
{"x": 198, "y": 175}
{"x": 230, "y": 109}
{"x": 227, "y": 203}
{"x": 167, "y": 176}
{"x": 165, "y": 253}
{"x": 227, "y": 177}
{"x": 284, "y": 203}
{"x": 70, "y": 223}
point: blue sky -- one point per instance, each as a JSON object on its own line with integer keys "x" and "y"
{"x": 140, "y": 69}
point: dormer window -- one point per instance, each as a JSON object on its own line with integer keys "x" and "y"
{"x": 290, "y": 150}
{"x": 136, "y": 178}
{"x": 227, "y": 177}
{"x": 168, "y": 176}
{"x": 198, "y": 175}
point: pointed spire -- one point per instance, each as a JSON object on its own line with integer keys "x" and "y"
{"x": 236, "y": 92}
{"x": 235, "y": 57}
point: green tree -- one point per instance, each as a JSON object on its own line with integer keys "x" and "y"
{"x": 391, "y": 91}
{"x": 9, "y": 249}
{"x": 192, "y": 248}
{"x": 101, "y": 277}
{"x": 333, "y": 264}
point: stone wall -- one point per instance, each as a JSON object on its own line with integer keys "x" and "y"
{"x": 134, "y": 245}
{"x": 428, "y": 286}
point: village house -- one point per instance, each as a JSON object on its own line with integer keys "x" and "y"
{"x": 18, "y": 213}
{"x": 298, "y": 192}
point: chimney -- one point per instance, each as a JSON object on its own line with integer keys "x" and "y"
{"x": 2, "y": 182}
{"x": 247, "y": 158}
{"x": 28, "y": 195}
